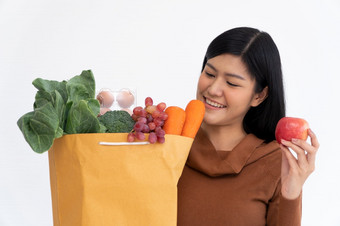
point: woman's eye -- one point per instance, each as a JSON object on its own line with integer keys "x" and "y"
{"x": 232, "y": 84}
{"x": 209, "y": 74}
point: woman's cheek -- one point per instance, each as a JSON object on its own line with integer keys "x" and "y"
{"x": 202, "y": 83}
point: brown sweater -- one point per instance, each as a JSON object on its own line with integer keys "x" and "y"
{"x": 239, "y": 187}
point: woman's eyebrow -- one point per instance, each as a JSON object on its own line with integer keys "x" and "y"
{"x": 211, "y": 66}
{"x": 226, "y": 74}
{"x": 234, "y": 76}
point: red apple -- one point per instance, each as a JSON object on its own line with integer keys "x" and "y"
{"x": 288, "y": 128}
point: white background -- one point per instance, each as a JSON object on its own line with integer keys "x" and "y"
{"x": 157, "y": 47}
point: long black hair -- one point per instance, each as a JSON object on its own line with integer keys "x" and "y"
{"x": 262, "y": 59}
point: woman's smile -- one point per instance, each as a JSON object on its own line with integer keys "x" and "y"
{"x": 211, "y": 104}
{"x": 227, "y": 89}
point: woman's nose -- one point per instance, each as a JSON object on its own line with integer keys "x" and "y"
{"x": 216, "y": 88}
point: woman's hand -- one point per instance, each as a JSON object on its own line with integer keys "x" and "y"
{"x": 295, "y": 171}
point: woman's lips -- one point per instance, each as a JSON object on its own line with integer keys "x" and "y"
{"x": 213, "y": 104}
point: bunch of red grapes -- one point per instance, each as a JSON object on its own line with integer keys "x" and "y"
{"x": 149, "y": 119}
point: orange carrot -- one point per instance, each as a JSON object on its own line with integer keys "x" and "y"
{"x": 194, "y": 115}
{"x": 175, "y": 121}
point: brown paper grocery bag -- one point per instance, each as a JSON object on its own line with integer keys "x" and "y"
{"x": 94, "y": 184}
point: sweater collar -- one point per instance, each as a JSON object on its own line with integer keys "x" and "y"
{"x": 205, "y": 158}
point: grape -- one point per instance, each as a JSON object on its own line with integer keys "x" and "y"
{"x": 160, "y": 132}
{"x": 138, "y": 127}
{"x": 131, "y": 137}
{"x": 134, "y": 117}
{"x": 148, "y": 101}
{"x": 150, "y": 109}
{"x": 158, "y": 122}
{"x": 140, "y": 135}
{"x": 142, "y": 120}
{"x": 161, "y": 106}
{"x": 152, "y": 126}
{"x": 143, "y": 113}
{"x": 156, "y": 113}
{"x": 163, "y": 116}
{"x": 149, "y": 118}
{"x": 161, "y": 140}
{"x": 137, "y": 110}
{"x": 146, "y": 129}
{"x": 152, "y": 138}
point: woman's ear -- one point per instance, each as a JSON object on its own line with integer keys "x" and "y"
{"x": 260, "y": 97}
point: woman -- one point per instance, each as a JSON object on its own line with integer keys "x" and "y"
{"x": 236, "y": 173}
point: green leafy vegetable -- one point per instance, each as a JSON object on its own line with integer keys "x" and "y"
{"x": 65, "y": 107}
{"x": 40, "y": 127}
{"x": 81, "y": 118}
{"x": 81, "y": 87}
{"x": 50, "y": 86}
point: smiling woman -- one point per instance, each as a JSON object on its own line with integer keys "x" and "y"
{"x": 228, "y": 91}
{"x": 236, "y": 173}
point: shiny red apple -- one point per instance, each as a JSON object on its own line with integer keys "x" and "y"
{"x": 288, "y": 128}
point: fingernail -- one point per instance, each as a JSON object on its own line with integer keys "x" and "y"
{"x": 283, "y": 141}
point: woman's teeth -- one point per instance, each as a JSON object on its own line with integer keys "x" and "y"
{"x": 214, "y": 104}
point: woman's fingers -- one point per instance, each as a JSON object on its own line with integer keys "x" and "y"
{"x": 311, "y": 153}
{"x": 314, "y": 140}
{"x": 305, "y": 152}
{"x": 296, "y": 169}
{"x": 289, "y": 158}
{"x": 300, "y": 152}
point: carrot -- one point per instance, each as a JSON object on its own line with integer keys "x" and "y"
{"x": 175, "y": 121}
{"x": 194, "y": 111}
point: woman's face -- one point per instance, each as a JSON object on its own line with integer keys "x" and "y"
{"x": 227, "y": 90}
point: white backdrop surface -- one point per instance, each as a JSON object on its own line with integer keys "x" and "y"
{"x": 157, "y": 47}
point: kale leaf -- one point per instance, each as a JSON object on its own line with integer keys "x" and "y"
{"x": 65, "y": 107}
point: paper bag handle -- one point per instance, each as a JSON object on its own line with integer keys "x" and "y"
{"x": 123, "y": 143}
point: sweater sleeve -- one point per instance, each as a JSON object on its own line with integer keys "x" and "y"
{"x": 282, "y": 211}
